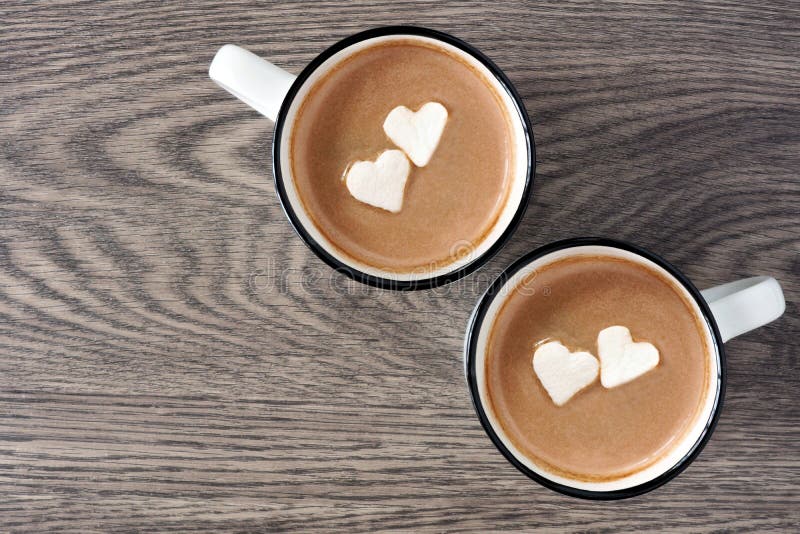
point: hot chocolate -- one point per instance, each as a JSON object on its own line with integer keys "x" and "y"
{"x": 608, "y": 429}
{"x": 450, "y": 204}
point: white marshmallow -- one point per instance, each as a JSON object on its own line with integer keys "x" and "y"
{"x": 563, "y": 373}
{"x": 382, "y": 183}
{"x": 622, "y": 360}
{"x": 418, "y": 134}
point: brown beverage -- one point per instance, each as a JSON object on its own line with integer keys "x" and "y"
{"x": 450, "y": 204}
{"x": 599, "y": 434}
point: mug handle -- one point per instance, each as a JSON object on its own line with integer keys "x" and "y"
{"x": 256, "y": 82}
{"x": 744, "y": 305}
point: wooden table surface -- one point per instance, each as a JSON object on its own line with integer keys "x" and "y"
{"x": 172, "y": 357}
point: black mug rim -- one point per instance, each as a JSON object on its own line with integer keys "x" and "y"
{"x": 352, "y": 272}
{"x": 476, "y": 323}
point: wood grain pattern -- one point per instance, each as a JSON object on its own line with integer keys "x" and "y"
{"x": 173, "y": 358}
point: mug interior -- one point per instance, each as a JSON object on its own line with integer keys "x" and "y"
{"x": 509, "y": 214}
{"x": 475, "y": 361}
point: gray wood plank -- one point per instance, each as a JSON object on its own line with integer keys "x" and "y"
{"x": 173, "y": 358}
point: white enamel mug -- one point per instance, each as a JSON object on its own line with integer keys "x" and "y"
{"x": 728, "y": 310}
{"x": 278, "y": 95}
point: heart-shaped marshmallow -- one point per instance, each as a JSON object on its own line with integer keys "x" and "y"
{"x": 417, "y": 133}
{"x": 563, "y": 373}
{"x": 622, "y": 360}
{"x": 382, "y": 183}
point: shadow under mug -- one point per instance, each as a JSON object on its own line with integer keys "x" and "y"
{"x": 278, "y": 95}
{"x": 727, "y": 310}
